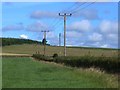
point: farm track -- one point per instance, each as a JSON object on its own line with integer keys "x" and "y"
{"x": 15, "y": 55}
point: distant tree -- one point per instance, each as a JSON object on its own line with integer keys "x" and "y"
{"x": 44, "y": 41}
{"x": 16, "y": 41}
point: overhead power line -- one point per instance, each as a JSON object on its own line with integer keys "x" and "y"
{"x": 77, "y": 7}
{"x": 75, "y": 11}
{"x": 73, "y": 7}
{"x": 64, "y": 15}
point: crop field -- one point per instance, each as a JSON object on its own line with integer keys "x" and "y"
{"x": 25, "y": 72}
{"x": 50, "y": 50}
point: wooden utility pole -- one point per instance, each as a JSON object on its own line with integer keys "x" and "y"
{"x": 45, "y": 40}
{"x": 65, "y": 15}
{"x": 59, "y": 39}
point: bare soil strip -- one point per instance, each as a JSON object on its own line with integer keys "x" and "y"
{"x": 18, "y": 55}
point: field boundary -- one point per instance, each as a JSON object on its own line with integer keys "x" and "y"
{"x": 106, "y": 64}
{"x": 14, "y": 55}
{"x": 69, "y": 67}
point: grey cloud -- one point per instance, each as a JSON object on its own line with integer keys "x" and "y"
{"x": 107, "y": 12}
{"x": 8, "y": 3}
{"x": 37, "y": 27}
{"x": 13, "y": 27}
{"x": 90, "y": 14}
{"x": 87, "y": 14}
{"x": 43, "y": 14}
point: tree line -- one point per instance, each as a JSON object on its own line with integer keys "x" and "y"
{"x": 17, "y": 41}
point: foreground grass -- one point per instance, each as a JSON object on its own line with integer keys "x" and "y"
{"x": 23, "y": 72}
{"x": 0, "y": 72}
{"x": 50, "y": 50}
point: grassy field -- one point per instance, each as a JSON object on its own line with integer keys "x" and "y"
{"x": 0, "y": 73}
{"x": 50, "y": 50}
{"x": 24, "y": 72}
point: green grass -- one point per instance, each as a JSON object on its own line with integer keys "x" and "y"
{"x": 0, "y": 73}
{"x": 23, "y": 72}
{"x": 50, "y": 50}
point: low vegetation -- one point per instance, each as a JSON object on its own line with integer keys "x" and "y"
{"x": 109, "y": 64}
{"x": 24, "y": 72}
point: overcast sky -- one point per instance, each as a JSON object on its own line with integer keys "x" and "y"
{"x": 94, "y": 25}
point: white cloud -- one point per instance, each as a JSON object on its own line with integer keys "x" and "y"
{"x": 95, "y": 37}
{"x": 52, "y": 38}
{"x": 104, "y": 46}
{"x": 82, "y": 26}
{"x": 71, "y": 42}
{"x": 73, "y": 34}
{"x": 51, "y": 35}
{"x": 113, "y": 37}
{"x": 96, "y": 44}
{"x": 24, "y": 36}
{"x": 107, "y": 26}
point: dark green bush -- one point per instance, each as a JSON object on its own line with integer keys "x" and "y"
{"x": 42, "y": 57}
{"x": 110, "y": 64}
{"x": 55, "y": 55}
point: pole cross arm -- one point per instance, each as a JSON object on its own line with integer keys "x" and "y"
{"x": 65, "y": 14}
{"x": 45, "y": 31}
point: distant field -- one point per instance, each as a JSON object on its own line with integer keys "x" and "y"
{"x": 24, "y": 72}
{"x": 50, "y": 50}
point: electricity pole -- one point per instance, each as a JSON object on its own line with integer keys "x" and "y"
{"x": 65, "y": 15}
{"x": 44, "y": 40}
{"x": 59, "y": 39}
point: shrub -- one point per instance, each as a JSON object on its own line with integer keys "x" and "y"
{"x": 110, "y": 64}
{"x": 42, "y": 57}
{"x": 55, "y": 55}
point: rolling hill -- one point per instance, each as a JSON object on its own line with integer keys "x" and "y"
{"x": 17, "y": 41}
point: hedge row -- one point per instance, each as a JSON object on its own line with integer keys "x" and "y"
{"x": 109, "y": 64}
{"x": 42, "y": 57}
